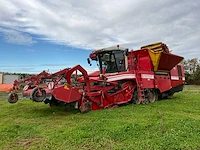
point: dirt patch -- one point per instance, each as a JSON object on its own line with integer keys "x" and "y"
{"x": 26, "y": 143}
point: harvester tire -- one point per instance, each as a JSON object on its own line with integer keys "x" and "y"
{"x": 35, "y": 95}
{"x": 85, "y": 107}
{"x": 53, "y": 102}
{"x": 12, "y": 98}
{"x": 152, "y": 96}
{"x": 135, "y": 99}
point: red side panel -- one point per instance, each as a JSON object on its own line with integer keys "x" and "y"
{"x": 66, "y": 94}
{"x": 162, "y": 82}
{"x": 177, "y": 75}
{"x": 145, "y": 63}
{"x": 148, "y": 79}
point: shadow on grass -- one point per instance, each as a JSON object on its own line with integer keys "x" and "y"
{"x": 29, "y": 109}
{"x": 55, "y": 110}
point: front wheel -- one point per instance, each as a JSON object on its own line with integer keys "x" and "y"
{"x": 38, "y": 95}
{"x": 12, "y": 98}
{"x": 86, "y": 107}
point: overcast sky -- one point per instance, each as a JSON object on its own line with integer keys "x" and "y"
{"x": 38, "y": 35}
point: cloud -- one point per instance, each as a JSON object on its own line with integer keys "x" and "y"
{"x": 54, "y": 65}
{"x": 30, "y": 50}
{"x": 37, "y": 65}
{"x": 16, "y": 37}
{"x": 95, "y": 24}
{"x": 91, "y": 69}
{"x": 37, "y": 68}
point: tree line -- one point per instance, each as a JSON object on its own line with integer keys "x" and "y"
{"x": 192, "y": 71}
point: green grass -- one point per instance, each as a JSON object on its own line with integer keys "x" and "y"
{"x": 167, "y": 124}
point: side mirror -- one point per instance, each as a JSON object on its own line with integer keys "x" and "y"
{"x": 88, "y": 60}
{"x": 93, "y": 56}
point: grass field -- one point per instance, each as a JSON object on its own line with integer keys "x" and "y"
{"x": 167, "y": 124}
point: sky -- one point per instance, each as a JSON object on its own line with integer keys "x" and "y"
{"x": 37, "y": 35}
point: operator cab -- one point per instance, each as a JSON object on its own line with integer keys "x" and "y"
{"x": 111, "y": 60}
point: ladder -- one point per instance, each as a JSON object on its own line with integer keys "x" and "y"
{"x": 140, "y": 90}
{"x": 138, "y": 77}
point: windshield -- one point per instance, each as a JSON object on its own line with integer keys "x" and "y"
{"x": 111, "y": 62}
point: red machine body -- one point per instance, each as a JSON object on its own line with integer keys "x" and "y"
{"x": 135, "y": 76}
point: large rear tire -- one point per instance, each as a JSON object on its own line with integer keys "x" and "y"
{"x": 152, "y": 96}
{"x": 12, "y": 98}
{"x": 38, "y": 95}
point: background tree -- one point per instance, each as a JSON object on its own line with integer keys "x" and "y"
{"x": 192, "y": 70}
{"x": 196, "y": 76}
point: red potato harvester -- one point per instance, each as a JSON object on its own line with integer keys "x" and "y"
{"x": 124, "y": 76}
